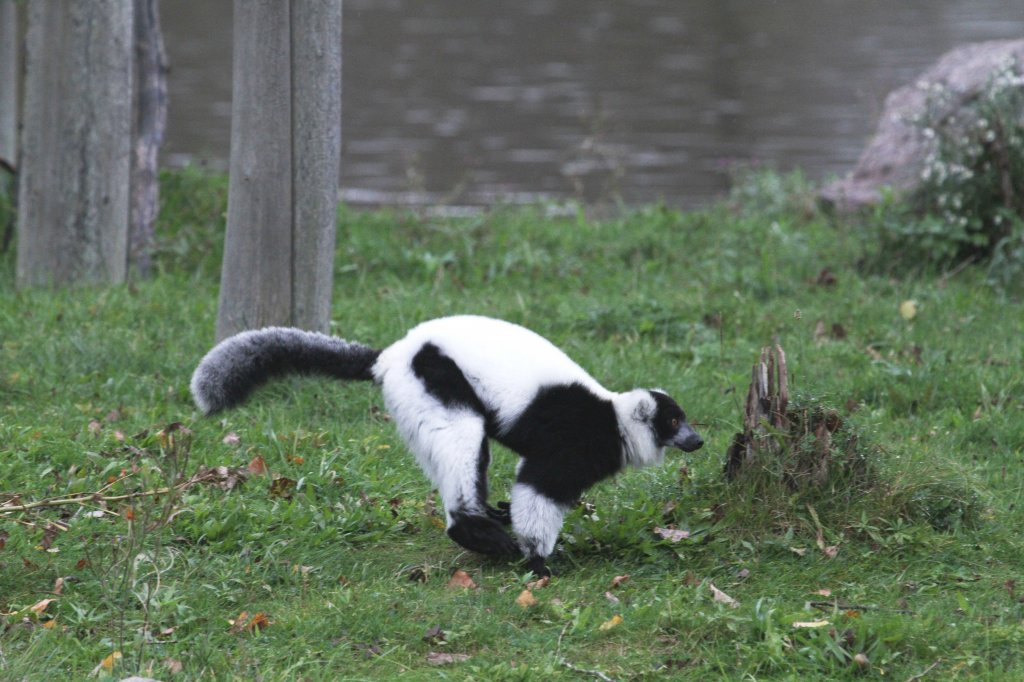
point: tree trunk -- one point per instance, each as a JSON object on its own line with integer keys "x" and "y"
{"x": 73, "y": 194}
{"x": 9, "y": 82}
{"x": 150, "y": 124}
{"x": 316, "y": 145}
{"x": 285, "y": 156}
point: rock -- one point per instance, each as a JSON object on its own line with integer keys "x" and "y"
{"x": 896, "y": 155}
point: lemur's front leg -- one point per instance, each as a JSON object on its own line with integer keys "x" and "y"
{"x": 536, "y": 520}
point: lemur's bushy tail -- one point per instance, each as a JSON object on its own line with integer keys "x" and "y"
{"x": 238, "y": 365}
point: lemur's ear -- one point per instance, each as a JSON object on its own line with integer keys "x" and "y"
{"x": 644, "y": 410}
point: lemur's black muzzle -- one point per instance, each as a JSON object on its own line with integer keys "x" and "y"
{"x": 686, "y": 439}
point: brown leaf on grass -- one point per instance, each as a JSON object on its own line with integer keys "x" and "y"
{"x": 799, "y": 551}
{"x": 172, "y": 665}
{"x": 437, "y": 658}
{"x": 612, "y": 622}
{"x": 810, "y": 624}
{"x": 225, "y": 478}
{"x": 258, "y": 621}
{"x": 618, "y": 580}
{"x": 825, "y": 278}
{"x": 460, "y": 579}
{"x": 257, "y": 466}
{"x": 281, "y": 487}
{"x": 434, "y": 635}
{"x": 40, "y": 606}
{"x": 107, "y": 664}
{"x": 722, "y": 597}
{"x": 672, "y": 534}
{"x": 539, "y": 583}
{"x": 58, "y": 586}
{"x": 526, "y": 599}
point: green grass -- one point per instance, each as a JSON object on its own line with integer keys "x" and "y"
{"x": 351, "y": 570}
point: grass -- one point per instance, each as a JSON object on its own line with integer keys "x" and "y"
{"x": 350, "y": 566}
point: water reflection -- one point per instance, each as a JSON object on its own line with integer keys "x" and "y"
{"x": 644, "y": 100}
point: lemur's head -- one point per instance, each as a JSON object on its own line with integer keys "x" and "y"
{"x": 653, "y": 421}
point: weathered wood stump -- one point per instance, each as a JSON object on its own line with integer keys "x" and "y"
{"x": 801, "y": 445}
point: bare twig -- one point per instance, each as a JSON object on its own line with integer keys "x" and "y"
{"x": 586, "y": 671}
{"x": 924, "y": 672}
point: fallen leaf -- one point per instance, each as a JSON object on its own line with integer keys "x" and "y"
{"x": 434, "y": 635}
{"x": 50, "y": 624}
{"x": 618, "y": 580}
{"x": 526, "y": 599}
{"x": 231, "y": 439}
{"x": 908, "y": 309}
{"x": 722, "y": 597}
{"x": 825, "y": 278}
{"x": 95, "y": 427}
{"x": 40, "y": 606}
{"x": 823, "y": 592}
{"x": 297, "y": 460}
{"x": 461, "y": 579}
{"x": 3, "y": 538}
{"x": 743, "y": 573}
{"x": 810, "y": 624}
{"x": 257, "y": 466}
{"x": 255, "y": 623}
{"x": 799, "y": 551}
{"x": 672, "y": 534}
{"x": 58, "y": 585}
{"x": 435, "y": 658}
{"x": 612, "y": 622}
{"x": 820, "y": 332}
{"x": 831, "y": 551}
{"x": 281, "y": 487}
{"x": 539, "y": 583}
{"x": 611, "y": 598}
{"x": 172, "y": 665}
{"x": 861, "y": 661}
{"x": 107, "y": 664}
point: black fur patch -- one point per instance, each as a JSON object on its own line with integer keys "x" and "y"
{"x": 444, "y": 380}
{"x": 569, "y": 439}
{"x": 482, "y": 534}
{"x": 666, "y": 411}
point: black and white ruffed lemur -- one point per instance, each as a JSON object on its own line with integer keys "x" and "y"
{"x": 454, "y": 383}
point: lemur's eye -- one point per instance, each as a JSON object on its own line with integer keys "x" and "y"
{"x": 675, "y": 422}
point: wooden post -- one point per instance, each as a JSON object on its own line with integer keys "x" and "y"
{"x": 285, "y": 157}
{"x": 150, "y": 124}
{"x": 74, "y": 173}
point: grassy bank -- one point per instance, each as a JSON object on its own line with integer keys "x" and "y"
{"x": 343, "y": 573}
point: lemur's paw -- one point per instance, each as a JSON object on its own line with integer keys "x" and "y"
{"x": 482, "y": 534}
{"x": 503, "y": 514}
{"x": 539, "y": 567}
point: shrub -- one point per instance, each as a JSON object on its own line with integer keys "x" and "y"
{"x": 970, "y": 203}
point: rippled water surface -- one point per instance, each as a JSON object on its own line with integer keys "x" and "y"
{"x": 466, "y": 101}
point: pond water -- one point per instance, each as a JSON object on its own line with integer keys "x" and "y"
{"x": 469, "y": 102}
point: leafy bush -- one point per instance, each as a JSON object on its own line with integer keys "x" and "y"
{"x": 970, "y": 203}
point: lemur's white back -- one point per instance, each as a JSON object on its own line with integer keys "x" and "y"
{"x": 504, "y": 363}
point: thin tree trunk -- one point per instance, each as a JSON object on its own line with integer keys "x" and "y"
{"x": 285, "y": 156}
{"x": 316, "y": 145}
{"x": 9, "y": 81}
{"x": 150, "y": 124}
{"x": 256, "y": 277}
{"x": 75, "y": 168}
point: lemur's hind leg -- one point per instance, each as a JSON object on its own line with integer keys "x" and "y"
{"x": 456, "y": 455}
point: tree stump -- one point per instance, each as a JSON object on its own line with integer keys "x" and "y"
{"x": 800, "y": 445}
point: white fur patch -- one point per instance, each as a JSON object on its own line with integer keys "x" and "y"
{"x": 536, "y": 520}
